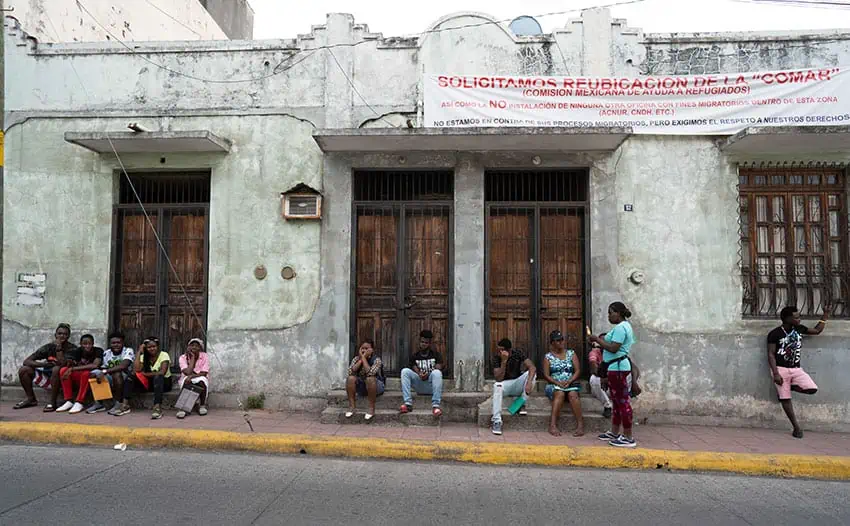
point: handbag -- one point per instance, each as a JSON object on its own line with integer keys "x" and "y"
{"x": 603, "y": 367}
{"x": 188, "y": 397}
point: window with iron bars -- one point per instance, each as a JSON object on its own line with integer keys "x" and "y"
{"x": 793, "y": 240}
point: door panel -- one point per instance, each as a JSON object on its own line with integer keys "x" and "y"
{"x": 402, "y": 278}
{"x": 535, "y": 276}
{"x": 376, "y": 278}
{"x": 426, "y": 287}
{"x": 561, "y": 276}
{"x": 186, "y": 289}
{"x": 137, "y": 283}
{"x": 509, "y": 276}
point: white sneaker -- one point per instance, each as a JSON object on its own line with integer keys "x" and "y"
{"x": 78, "y": 408}
{"x": 64, "y": 407}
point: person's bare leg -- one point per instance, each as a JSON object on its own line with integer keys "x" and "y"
{"x": 372, "y": 393}
{"x": 117, "y": 387}
{"x": 557, "y": 404}
{"x": 351, "y": 389}
{"x": 575, "y": 404}
{"x": 789, "y": 412}
{"x": 55, "y": 384}
{"x": 26, "y": 375}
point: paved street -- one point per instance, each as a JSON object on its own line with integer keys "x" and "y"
{"x": 62, "y": 485}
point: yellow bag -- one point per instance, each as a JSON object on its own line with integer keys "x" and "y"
{"x": 100, "y": 391}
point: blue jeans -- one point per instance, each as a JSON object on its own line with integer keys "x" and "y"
{"x": 432, "y": 386}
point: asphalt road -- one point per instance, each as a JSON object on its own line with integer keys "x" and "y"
{"x": 69, "y": 486}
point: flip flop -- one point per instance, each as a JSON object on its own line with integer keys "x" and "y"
{"x": 49, "y": 408}
{"x": 23, "y": 404}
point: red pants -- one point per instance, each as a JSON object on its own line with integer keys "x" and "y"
{"x": 80, "y": 378}
{"x": 620, "y": 399}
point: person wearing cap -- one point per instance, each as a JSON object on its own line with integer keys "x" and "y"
{"x": 561, "y": 368}
{"x": 195, "y": 368}
{"x": 424, "y": 374}
{"x": 41, "y": 368}
{"x": 152, "y": 372}
{"x": 510, "y": 378}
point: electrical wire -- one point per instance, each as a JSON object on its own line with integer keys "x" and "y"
{"x": 157, "y": 237}
{"x": 277, "y": 71}
{"x": 817, "y": 4}
{"x": 171, "y": 17}
{"x": 353, "y": 87}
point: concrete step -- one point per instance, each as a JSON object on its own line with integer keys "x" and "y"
{"x": 539, "y": 421}
{"x": 392, "y": 399}
{"x": 383, "y": 417}
{"x": 394, "y": 384}
{"x": 15, "y": 393}
{"x": 539, "y": 402}
{"x": 539, "y": 412}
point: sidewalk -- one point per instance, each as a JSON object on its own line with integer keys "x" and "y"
{"x": 752, "y": 451}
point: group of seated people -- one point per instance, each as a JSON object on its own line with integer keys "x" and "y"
{"x": 613, "y": 380}
{"x": 61, "y": 364}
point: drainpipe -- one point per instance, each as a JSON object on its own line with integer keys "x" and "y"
{"x": 2, "y": 130}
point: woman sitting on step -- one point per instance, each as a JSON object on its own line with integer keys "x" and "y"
{"x": 195, "y": 368}
{"x": 561, "y": 368}
{"x": 152, "y": 373}
{"x": 365, "y": 378}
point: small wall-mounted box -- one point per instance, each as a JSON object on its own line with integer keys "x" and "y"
{"x": 301, "y": 202}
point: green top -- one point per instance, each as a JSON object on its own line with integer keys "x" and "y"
{"x": 160, "y": 359}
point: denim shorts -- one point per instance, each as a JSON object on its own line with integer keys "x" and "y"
{"x": 360, "y": 385}
{"x": 550, "y": 389}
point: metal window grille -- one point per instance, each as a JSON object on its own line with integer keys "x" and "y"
{"x": 393, "y": 186}
{"x": 535, "y": 186}
{"x": 793, "y": 239}
{"x": 171, "y": 187}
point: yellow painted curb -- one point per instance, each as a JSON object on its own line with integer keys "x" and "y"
{"x": 809, "y": 466}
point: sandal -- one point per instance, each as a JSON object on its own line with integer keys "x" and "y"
{"x": 23, "y": 404}
{"x": 437, "y": 411}
{"x": 49, "y": 408}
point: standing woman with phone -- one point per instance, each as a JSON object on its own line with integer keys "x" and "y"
{"x": 616, "y": 346}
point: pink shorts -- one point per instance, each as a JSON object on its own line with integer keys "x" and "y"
{"x": 796, "y": 377}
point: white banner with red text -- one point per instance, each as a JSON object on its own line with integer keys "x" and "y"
{"x": 719, "y": 104}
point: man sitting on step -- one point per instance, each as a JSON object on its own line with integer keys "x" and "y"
{"x": 42, "y": 368}
{"x": 425, "y": 374}
{"x": 511, "y": 380}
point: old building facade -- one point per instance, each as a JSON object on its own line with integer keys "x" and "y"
{"x": 476, "y": 233}
{"x": 131, "y": 20}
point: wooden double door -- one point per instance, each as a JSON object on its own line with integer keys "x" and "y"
{"x": 160, "y": 263}
{"x": 402, "y": 278}
{"x": 535, "y": 275}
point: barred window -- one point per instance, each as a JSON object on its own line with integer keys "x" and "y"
{"x": 793, "y": 240}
